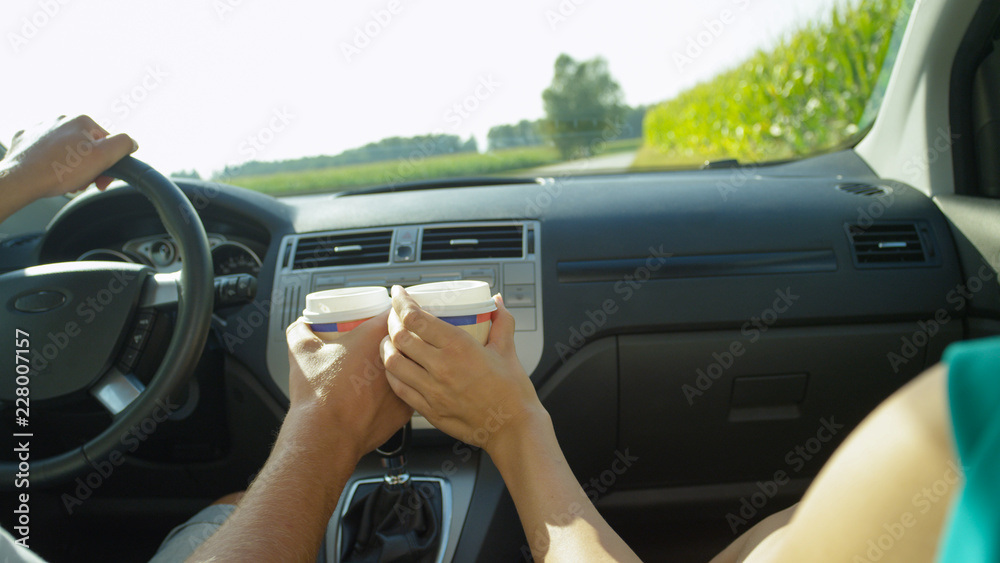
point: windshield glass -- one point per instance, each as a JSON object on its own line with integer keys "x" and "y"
{"x": 298, "y": 97}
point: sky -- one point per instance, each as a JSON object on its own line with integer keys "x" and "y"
{"x": 202, "y": 84}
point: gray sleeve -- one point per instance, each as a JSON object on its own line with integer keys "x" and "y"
{"x": 13, "y": 552}
{"x": 181, "y": 542}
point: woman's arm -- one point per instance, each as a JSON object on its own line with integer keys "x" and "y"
{"x": 481, "y": 395}
{"x": 885, "y": 493}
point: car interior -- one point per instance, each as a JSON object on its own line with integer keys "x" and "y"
{"x": 703, "y": 338}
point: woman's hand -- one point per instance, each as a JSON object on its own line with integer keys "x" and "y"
{"x": 477, "y": 394}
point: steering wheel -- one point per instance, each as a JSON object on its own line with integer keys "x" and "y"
{"x": 65, "y": 327}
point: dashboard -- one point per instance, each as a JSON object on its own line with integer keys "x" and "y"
{"x": 722, "y": 312}
{"x": 123, "y": 226}
{"x": 229, "y": 257}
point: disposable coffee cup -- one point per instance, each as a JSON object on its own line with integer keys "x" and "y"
{"x": 333, "y": 312}
{"x": 466, "y": 304}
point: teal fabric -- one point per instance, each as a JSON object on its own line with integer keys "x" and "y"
{"x": 972, "y": 533}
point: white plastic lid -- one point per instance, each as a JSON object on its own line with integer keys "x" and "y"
{"x": 345, "y": 304}
{"x": 454, "y": 298}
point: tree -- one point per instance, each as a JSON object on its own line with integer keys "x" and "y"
{"x": 583, "y": 106}
{"x": 522, "y": 134}
{"x": 193, "y": 174}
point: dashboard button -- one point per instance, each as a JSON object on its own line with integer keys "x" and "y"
{"x": 246, "y": 286}
{"x": 428, "y": 278}
{"x": 518, "y": 273}
{"x": 229, "y": 291}
{"x": 519, "y": 295}
{"x": 138, "y": 338}
{"x": 404, "y": 253}
{"x": 130, "y": 356}
{"x": 144, "y": 321}
{"x": 326, "y": 279}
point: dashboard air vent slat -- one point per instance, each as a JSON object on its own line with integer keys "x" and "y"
{"x": 887, "y": 244}
{"x": 463, "y": 243}
{"x": 342, "y": 250}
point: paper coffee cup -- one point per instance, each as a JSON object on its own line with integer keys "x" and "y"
{"x": 466, "y": 304}
{"x": 333, "y": 312}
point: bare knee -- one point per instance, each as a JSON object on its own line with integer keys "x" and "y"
{"x": 231, "y": 498}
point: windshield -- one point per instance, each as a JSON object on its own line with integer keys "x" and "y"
{"x": 298, "y": 97}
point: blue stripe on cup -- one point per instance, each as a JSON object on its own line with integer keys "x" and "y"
{"x": 465, "y": 320}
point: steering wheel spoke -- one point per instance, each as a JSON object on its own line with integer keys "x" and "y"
{"x": 161, "y": 290}
{"x": 116, "y": 390}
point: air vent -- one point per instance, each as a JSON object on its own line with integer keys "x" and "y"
{"x": 863, "y": 189}
{"x": 463, "y": 243}
{"x": 897, "y": 244}
{"x": 342, "y": 250}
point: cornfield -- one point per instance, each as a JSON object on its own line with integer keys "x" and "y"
{"x": 807, "y": 94}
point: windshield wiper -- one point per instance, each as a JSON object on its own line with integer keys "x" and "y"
{"x": 440, "y": 183}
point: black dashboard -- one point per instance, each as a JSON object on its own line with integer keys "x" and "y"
{"x": 715, "y": 317}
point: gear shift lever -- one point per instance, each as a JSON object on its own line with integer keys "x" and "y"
{"x": 394, "y": 520}
{"x": 393, "y": 453}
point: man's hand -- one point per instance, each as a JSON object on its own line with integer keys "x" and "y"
{"x": 64, "y": 155}
{"x": 56, "y": 158}
{"x": 474, "y": 393}
{"x": 343, "y": 387}
{"x": 341, "y": 408}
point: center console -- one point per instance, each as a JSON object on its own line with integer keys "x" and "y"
{"x": 502, "y": 254}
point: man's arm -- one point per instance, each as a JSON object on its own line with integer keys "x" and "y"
{"x": 57, "y": 158}
{"x": 470, "y": 391}
{"x": 341, "y": 408}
